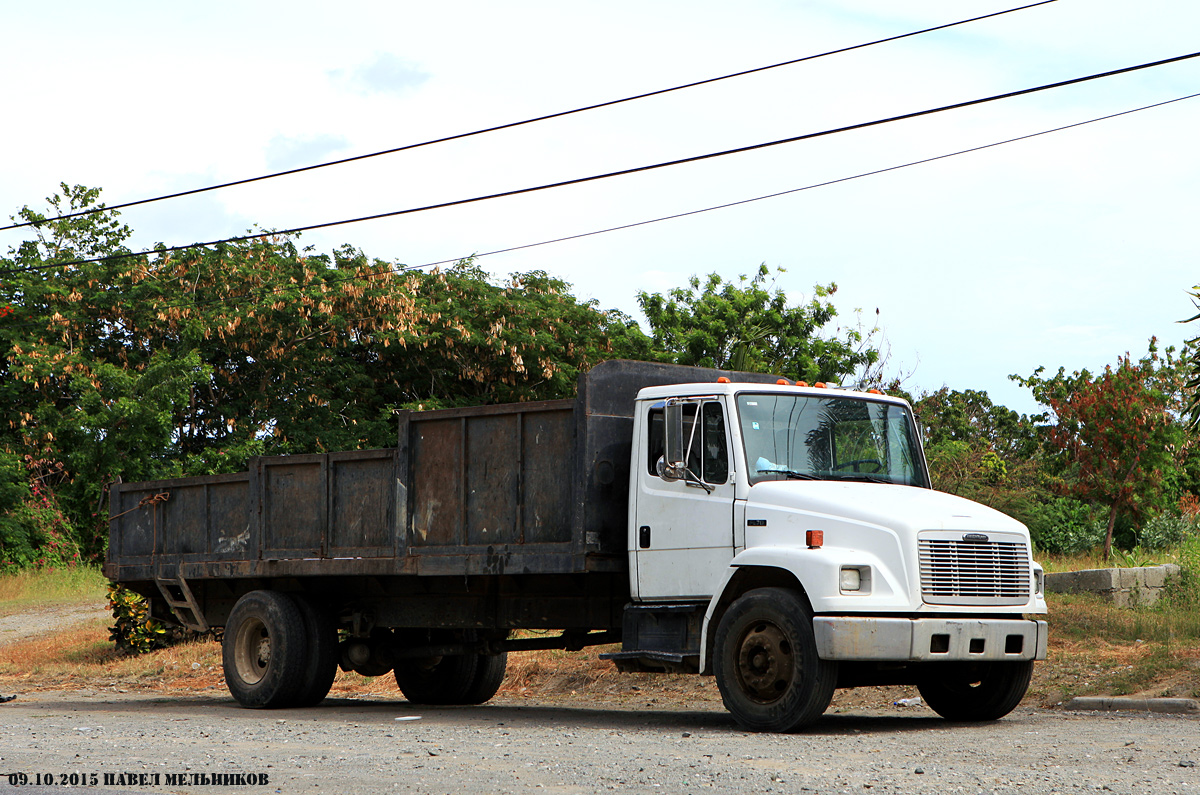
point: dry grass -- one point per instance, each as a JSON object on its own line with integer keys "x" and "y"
{"x": 1099, "y": 649}
{"x": 83, "y": 657}
{"x": 1092, "y": 559}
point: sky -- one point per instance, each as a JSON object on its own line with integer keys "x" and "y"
{"x": 1066, "y": 250}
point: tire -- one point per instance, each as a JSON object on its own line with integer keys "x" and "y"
{"x": 975, "y": 691}
{"x": 263, "y": 651}
{"x": 437, "y": 680}
{"x": 321, "y": 662}
{"x": 489, "y": 675}
{"x": 766, "y": 663}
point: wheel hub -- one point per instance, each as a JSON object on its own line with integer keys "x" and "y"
{"x": 252, "y": 651}
{"x": 766, "y": 662}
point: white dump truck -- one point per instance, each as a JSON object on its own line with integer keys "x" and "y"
{"x": 781, "y": 537}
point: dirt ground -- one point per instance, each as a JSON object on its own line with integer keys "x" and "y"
{"x": 139, "y": 743}
{"x": 28, "y": 640}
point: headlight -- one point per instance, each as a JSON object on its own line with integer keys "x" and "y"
{"x": 851, "y": 580}
{"x": 855, "y": 579}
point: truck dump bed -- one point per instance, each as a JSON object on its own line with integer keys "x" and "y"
{"x": 521, "y": 488}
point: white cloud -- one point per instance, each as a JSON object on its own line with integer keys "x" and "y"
{"x": 384, "y": 74}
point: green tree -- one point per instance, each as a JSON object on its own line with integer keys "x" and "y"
{"x": 71, "y": 397}
{"x": 970, "y": 416}
{"x": 981, "y": 451}
{"x": 1116, "y": 435}
{"x": 527, "y": 338}
{"x": 143, "y": 367}
{"x": 747, "y": 326}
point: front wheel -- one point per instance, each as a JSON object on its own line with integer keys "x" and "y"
{"x": 980, "y": 691}
{"x": 766, "y": 662}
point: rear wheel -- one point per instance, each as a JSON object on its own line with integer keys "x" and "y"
{"x": 437, "y": 680}
{"x": 766, "y": 662}
{"x": 979, "y": 691}
{"x": 489, "y": 675}
{"x": 322, "y": 653}
{"x": 263, "y": 652}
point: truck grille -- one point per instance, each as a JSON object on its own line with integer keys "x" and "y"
{"x": 955, "y": 572}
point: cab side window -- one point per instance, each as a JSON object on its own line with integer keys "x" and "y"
{"x": 716, "y": 450}
{"x": 657, "y": 442}
{"x": 709, "y": 456}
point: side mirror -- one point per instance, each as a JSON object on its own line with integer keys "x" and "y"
{"x": 676, "y": 456}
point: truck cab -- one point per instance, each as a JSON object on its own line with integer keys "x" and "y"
{"x": 786, "y": 538}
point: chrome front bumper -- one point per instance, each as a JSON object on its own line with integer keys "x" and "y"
{"x": 928, "y": 639}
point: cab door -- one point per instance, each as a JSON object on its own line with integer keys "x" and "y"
{"x": 684, "y": 528}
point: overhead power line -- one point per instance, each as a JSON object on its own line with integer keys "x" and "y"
{"x": 399, "y": 269}
{"x": 794, "y": 190}
{"x": 622, "y": 172}
{"x": 510, "y": 125}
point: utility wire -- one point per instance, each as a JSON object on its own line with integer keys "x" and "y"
{"x": 399, "y": 269}
{"x": 520, "y": 123}
{"x": 796, "y": 190}
{"x": 623, "y": 172}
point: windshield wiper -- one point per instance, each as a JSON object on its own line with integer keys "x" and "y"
{"x": 791, "y": 474}
{"x": 861, "y": 478}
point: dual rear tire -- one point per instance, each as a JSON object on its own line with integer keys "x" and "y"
{"x": 279, "y": 651}
{"x": 282, "y": 651}
{"x": 452, "y": 679}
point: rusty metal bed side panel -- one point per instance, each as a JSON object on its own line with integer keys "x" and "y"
{"x": 206, "y": 517}
{"x": 326, "y": 505}
{"x": 488, "y": 480}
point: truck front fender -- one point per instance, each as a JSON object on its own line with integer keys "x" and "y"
{"x": 816, "y": 573}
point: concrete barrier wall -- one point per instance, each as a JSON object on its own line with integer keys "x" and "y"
{"x": 1135, "y": 587}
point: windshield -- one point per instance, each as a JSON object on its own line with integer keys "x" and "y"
{"x": 828, "y": 438}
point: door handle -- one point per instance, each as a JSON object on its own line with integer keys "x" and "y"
{"x": 644, "y": 537}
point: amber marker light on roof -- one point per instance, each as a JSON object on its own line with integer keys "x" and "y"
{"x": 801, "y": 383}
{"x": 819, "y": 385}
{"x": 874, "y": 392}
{"x": 722, "y": 380}
{"x": 783, "y": 382}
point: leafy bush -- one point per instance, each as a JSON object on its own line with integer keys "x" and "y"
{"x": 1064, "y": 526}
{"x": 33, "y": 530}
{"x": 1166, "y": 530}
{"x": 135, "y": 632}
{"x": 1134, "y": 558}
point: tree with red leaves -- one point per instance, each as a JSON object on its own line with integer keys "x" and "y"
{"x": 1117, "y": 433}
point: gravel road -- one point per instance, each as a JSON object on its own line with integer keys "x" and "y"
{"x": 577, "y": 746}
{"x": 36, "y": 621}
